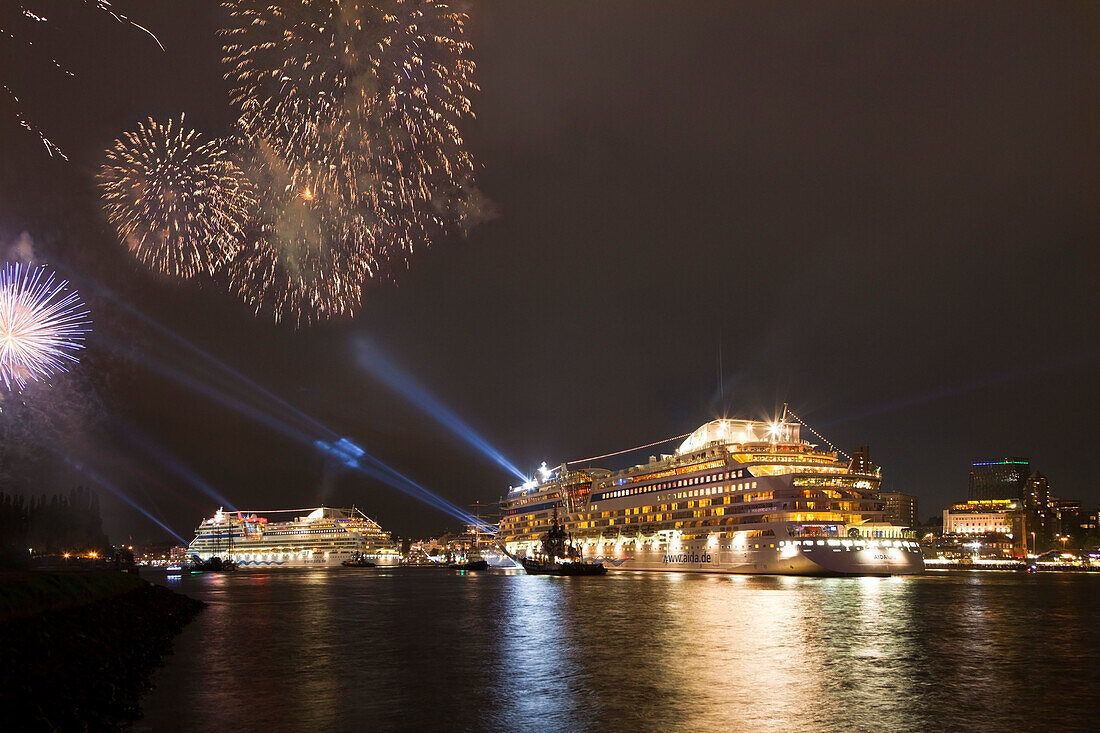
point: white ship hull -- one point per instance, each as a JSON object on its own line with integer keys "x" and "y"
{"x": 815, "y": 561}
{"x": 701, "y": 559}
{"x": 777, "y": 554}
{"x": 248, "y": 561}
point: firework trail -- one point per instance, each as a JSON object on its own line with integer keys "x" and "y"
{"x": 179, "y": 203}
{"x": 353, "y": 112}
{"x": 15, "y": 17}
{"x": 41, "y": 327}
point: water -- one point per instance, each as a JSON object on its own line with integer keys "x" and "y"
{"x": 413, "y": 649}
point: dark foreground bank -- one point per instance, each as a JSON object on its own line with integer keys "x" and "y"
{"x": 78, "y": 649}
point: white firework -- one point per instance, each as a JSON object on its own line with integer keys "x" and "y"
{"x": 42, "y": 327}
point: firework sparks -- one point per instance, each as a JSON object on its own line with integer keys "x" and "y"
{"x": 41, "y": 326}
{"x": 355, "y": 109}
{"x": 306, "y": 256}
{"x": 15, "y": 20}
{"x": 179, "y": 203}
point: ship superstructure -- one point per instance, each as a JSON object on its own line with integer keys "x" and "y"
{"x": 320, "y": 536}
{"x": 738, "y": 496}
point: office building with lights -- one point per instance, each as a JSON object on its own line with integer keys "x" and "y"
{"x": 900, "y": 508}
{"x": 1003, "y": 479}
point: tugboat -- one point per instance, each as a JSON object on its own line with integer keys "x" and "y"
{"x": 471, "y": 565}
{"x": 213, "y": 564}
{"x": 555, "y": 546}
{"x": 358, "y": 560}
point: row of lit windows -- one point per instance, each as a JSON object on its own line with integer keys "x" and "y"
{"x": 709, "y": 491}
{"x": 273, "y": 533}
{"x": 740, "y": 473}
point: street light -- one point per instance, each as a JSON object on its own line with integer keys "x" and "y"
{"x": 1064, "y": 538}
{"x": 1034, "y": 549}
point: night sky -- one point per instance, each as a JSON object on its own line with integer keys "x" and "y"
{"x": 884, "y": 213}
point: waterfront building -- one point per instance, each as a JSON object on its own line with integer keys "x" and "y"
{"x": 900, "y": 508}
{"x": 1004, "y": 479}
{"x": 998, "y": 516}
{"x": 1076, "y": 522}
{"x": 974, "y": 546}
{"x": 981, "y": 517}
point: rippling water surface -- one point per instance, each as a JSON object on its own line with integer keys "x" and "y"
{"x": 370, "y": 649}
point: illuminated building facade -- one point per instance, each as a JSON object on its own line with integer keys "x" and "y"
{"x": 982, "y": 517}
{"x": 900, "y": 508}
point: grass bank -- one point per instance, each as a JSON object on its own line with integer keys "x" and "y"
{"x": 30, "y": 593}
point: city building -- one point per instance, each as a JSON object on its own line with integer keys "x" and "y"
{"x": 1037, "y": 491}
{"x": 1004, "y": 479}
{"x": 978, "y": 548}
{"x": 1006, "y": 498}
{"x": 980, "y": 517}
{"x": 1082, "y": 526}
{"x": 900, "y": 508}
{"x": 1005, "y": 517}
{"x": 861, "y": 460}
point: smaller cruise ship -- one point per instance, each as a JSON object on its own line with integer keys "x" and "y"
{"x": 320, "y": 536}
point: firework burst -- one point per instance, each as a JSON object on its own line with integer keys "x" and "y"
{"x": 356, "y": 108}
{"x": 305, "y": 259}
{"x": 179, "y": 203}
{"x": 41, "y": 326}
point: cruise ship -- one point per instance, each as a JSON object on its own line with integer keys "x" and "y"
{"x": 317, "y": 537}
{"x": 738, "y": 496}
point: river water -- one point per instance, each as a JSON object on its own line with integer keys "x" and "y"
{"x": 418, "y": 649}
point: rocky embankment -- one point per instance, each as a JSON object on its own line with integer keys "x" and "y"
{"x": 77, "y": 649}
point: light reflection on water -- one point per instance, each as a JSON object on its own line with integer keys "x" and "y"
{"x": 413, "y": 649}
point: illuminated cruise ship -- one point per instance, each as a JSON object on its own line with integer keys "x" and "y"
{"x": 738, "y": 496}
{"x": 321, "y": 536}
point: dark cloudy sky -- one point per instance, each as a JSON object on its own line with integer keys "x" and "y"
{"x": 885, "y": 212}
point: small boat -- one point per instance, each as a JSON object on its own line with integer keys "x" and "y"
{"x": 471, "y": 565}
{"x": 358, "y": 560}
{"x": 213, "y": 564}
{"x": 555, "y": 545}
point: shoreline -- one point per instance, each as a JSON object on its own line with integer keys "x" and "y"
{"x": 79, "y": 648}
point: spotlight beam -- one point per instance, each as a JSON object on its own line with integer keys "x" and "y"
{"x": 382, "y": 368}
{"x": 95, "y": 476}
{"x": 159, "y": 454}
{"x": 225, "y": 368}
{"x": 226, "y": 400}
{"x": 329, "y": 442}
{"x": 359, "y": 460}
{"x": 343, "y": 449}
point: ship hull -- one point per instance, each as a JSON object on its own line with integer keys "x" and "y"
{"x": 702, "y": 557}
{"x": 259, "y": 561}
